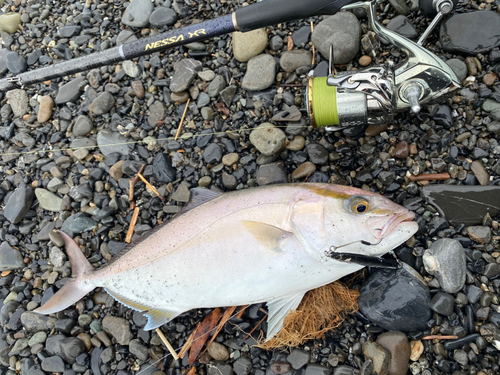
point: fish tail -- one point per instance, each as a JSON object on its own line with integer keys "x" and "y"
{"x": 75, "y": 289}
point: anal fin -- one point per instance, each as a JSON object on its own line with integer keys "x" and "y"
{"x": 156, "y": 317}
{"x": 278, "y": 310}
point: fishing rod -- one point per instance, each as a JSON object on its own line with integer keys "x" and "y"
{"x": 368, "y": 96}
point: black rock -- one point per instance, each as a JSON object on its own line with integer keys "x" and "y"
{"x": 464, "y": 204}
{"x": 53, "y": 364}
{"x": 317, "y": 153}
{"x": 301, "y": 36}
{"x": 34, "y": 56}
{"x": 443, "y": 116}
{"x": 457, "y": 344}
{"x": 474, "y": 293}
{"x": 442, "y": 303}
{"x": 163, "y": 170}
{"x": 212, "y": 154}
{"x": 396, "y": 300}
{"x": 403, "y": 26}
{"x": 471, "y": 33}
{"x": 204, "y": 138}
{"x": 3, "y": 63}
{"x": 436, "y": 224}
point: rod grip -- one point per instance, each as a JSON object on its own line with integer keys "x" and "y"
{"x": 272, "y": 12}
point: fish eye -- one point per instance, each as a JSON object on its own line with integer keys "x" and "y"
{"x": 359, "y": 206}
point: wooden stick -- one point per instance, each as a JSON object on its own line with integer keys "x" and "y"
{"x": 182, "y": 120}
{"x": 130, "y": 231}
{"x": 187, "y": 344}
{"x": 314, "y": 50}
{"x": 167, "y": 344}
{"x": 132, "y": 183}
{"x": 242, "y": 310}
{"x": 151, "y": 187}
{"x": 437, "y": 337}
{"x": 430, "y": 177}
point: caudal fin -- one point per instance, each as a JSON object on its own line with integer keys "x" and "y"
{"x": 75, "y": 289}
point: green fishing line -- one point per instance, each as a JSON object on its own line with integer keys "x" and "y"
{"x": 323, "y": 102}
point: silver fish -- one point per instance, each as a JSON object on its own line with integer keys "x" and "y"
{"x": 266, "y": 244}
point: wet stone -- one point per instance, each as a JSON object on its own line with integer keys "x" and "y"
{"x": 218, "y": 351}
{"x": 212, "y": 154}
{"x": 317, "y": 153}
{"x": 69, "y": 92}
{"x": 138, "y": 350}
{"x": 380, "y": 300}
{"x": 242, "y": 366}
{"x": 314, "y": 369}
{"x": 18, "y": 100}
{"x": 398, "y": 346}
{"x": 46, "y": 107}
{"x": 271, "y": 174}
{"x": 471, "y": 33}
{"x": 480, "y": 172}
{"x": 102, "y": 104}
{"x": 292, "y": 60}
{"x": 442, "y": 303}
{"x": 162, "y": 168}
{"x": 379, "y": 357}
{"x": 446, "y": 260}
{"x": 15, "y": 63}
{"x": 402, "y": 150}
{"x": 110, "y": 142}
{"x": 53, "y": 364}
{"x": 443, "y": 116}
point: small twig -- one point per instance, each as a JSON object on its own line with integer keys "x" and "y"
{"x": 151, "y": 187}
{"x": 187, "y": 345}
{"x": 430, "y": 177}
{"x": 254, "y": 328}
{"x": 437, "y": 337}
{"x": 132, "y": 183}
{"x": 182, "y": 120}
{"x": 130, "y": 231}
{"x": 167, "y": 344}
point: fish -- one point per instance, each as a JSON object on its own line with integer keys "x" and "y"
{"x": 267, "y": 244}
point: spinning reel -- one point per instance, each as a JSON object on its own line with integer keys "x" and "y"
{"x": 374, "y": 95}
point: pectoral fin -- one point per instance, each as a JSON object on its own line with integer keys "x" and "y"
{"x": 308, "y": 226}
{"x": 269, "y": 236}
{"x": 156, "y": 318}
{"x": 278, "y": 310}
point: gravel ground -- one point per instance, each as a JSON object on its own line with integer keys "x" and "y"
{"x": 70, "y": 146}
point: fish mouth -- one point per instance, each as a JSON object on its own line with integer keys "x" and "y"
{"x": 394, "y": 222}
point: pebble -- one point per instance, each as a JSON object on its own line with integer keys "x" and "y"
{"x": 46, "y": 108}
{"x": 15, "y": 63}
{"x": 18, "y": 100}
{"x": 185, "y": 73}
{"x": 480, "y": 35}
{"x": 230, "y": 159}
{"x": 162, "y": 168}
{"x": 489, "y": 79}
{"x": 111, "y": 142}
{"x": 163, "y": 16}
{"x": 260, "y": 74}
{"x": 271, "y": 174}
{"x": 459, "y": 68}
{"x": 304, "y": 170}
{"x": 10, "y": 258}
{"x": 138, "y": 350}
{"x": 19, "y": 204}
{"x": 379, "y": 357}
{"x": 69, "y": 92}
{"x": 119, "y": 328}
{"x": 280, "y": 367}
{"x": 243, "y": 366}
{"x": 249, "y": 44}
{"x": 156, "y": 113}
{"x": 218, "y": 351}
{"x": 403, "y": 26}
{"x": 102, "y": 104}
{"x": 182, "y": 193}
{"x": 365, "y": 60}
{"x": 397, "y": 345}
{"x": 298, "y": 359}
{"x": 314, "y": 369}
{"x": 206, "y": 75}
{"x": 479, "y": 234}
{"x": 400, "y": 7}
{"x": 417, "y": 349}
{"x": 446, "y": 260}
{"x": 402, "y": 150}
{"x": 341, "y": 30}
{"x": 83, "y": 126}
{"x": 292, "y": 60}
{"x": 442, "y": 303}
{"x": 131, "y": 69}
{"x": 268, "y": 139}
{"x": 48, "y": 200}
{"x": 9, "y": 22}
{"x": 380, "y": 303}
{"x": 212, "y": 154}
{"x": 138, "y": 89}
{"x": 216, "y": 86}
{"x": 480, "y": 172}
{"x": 53, "y": 364}
{"x": 137, "y": 13}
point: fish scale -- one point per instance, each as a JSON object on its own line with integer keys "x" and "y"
{"x": 257, "y": 245}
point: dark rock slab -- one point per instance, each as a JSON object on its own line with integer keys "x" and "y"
{"x": 162, "y": 168}
{"x": 396, "y": 299}
{"x": 471, "y": 33}
{"x": 464, "y": 204}
{"x": 10, "y": 259}
{"x": 19, "y": 204}
{"x": 70, "y": 91}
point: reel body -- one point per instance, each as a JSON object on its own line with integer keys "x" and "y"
{"x": 372, "y": 96}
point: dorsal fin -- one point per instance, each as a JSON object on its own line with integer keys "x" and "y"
{"x": 198, "y": 197}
